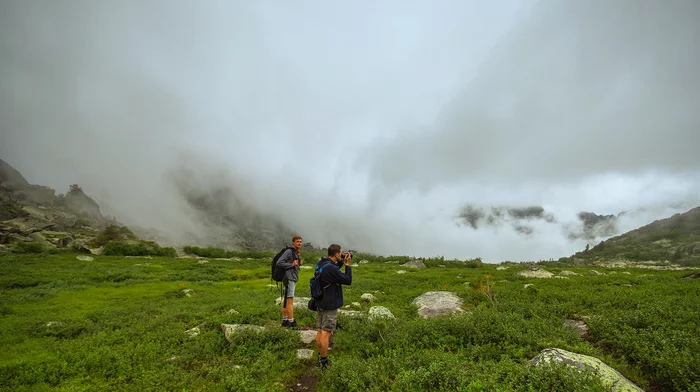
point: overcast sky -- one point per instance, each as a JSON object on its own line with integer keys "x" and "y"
{"x": 369, "y": 124}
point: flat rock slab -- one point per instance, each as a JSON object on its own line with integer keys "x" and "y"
{"x": 438, "y": 303}
{"x": 380, "y": 313}
{"x": 85, "y": 258}
{"x": 536, "y": 274}
{"x": 616, "y": 381}
{"x": 231, "y": 329}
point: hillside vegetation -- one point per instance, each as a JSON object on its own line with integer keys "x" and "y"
{"x": 77, "y": 322}
{"x": 675, "y": 239}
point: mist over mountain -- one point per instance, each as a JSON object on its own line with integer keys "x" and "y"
{"x": 372, "y": 126}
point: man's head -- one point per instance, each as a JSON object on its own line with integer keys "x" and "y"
{"x": 296, "y": 242}
{"x": 334, "y": 252}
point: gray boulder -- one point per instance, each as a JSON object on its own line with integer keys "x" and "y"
{"x": 414, "y": 264}
{"x": 438, "y": 303}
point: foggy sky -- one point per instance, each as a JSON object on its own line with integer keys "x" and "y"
{"x": 369, "y": 124}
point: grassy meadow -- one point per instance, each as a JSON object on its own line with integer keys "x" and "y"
{"x": 120, "y": 323}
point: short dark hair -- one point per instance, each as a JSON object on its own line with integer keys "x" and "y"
{"x": 333, "y": 250}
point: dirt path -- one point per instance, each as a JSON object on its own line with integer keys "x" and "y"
{"x": 306, "y": 382}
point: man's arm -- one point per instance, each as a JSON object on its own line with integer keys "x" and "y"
{"x": 341, "y": 278}
{"x": 285, "y": 261}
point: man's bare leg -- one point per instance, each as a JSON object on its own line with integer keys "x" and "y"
{"x": 322, "y": 342}
{"x": 290, "y": 308}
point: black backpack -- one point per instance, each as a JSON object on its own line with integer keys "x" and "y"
{"x": 315, "y": 283}
{"x": 278, "y": 273}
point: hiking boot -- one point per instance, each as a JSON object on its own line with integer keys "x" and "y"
{"x": 292, "y": 324}
{"x": 285, "y": 323}
{"x": 324, "y": 363}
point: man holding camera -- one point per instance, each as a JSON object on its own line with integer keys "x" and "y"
{"x": 331, "y": 280}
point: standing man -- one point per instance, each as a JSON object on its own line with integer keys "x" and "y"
{"x": 290, "y": 262}
{"x": 331, "y": 280}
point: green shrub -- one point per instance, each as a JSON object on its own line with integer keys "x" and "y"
{"x": 27, "y": 247}
{"x": 142, "y": 248}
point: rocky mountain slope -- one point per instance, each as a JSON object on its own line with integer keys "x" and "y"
{"x": 36, "y": 214}
{"x": 675, "y": 239}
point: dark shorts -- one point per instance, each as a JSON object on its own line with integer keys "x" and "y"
{"x": 327, "y": 319}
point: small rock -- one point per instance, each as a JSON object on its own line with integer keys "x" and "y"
{"x": 85, "y": 258}
{"x": 442, "y": 266}
{"x": 354, "y": 265}
{"x": 230, "y": 329}
{"x": 579, "y": 326}
{"x": 364, "y": 261}
{"x": 306, "y": 267}
{"x": 188, "y": 292}
{"x": 308, "y": 336}
{"x": 356, "y": 304}
{"x": 380, "y": 313}
{"x": 192, "y": 332}
{"x": 502, "y": 268}
{"x": 527, "y": 285}
{"x": 367, "y": 297}
{"x": 595, "y": 273}
{"x": 202, "y": 261}
{"x": 305, "y": 353}
{"x": 233, "y": 311}
{"x": 401, "y": 272}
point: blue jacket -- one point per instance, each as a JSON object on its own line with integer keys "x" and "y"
{"x": 331, "y": 281}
